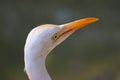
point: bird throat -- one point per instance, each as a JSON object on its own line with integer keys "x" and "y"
{"x": 36, "y": 69}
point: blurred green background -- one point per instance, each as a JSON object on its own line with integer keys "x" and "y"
{"x": 92, "y": 53}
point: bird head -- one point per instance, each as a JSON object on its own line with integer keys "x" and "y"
{"x": 44, "y": 38}
{"x": 41, "y": 40}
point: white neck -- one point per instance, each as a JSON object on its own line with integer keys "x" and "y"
{"x": 36, "y": 69}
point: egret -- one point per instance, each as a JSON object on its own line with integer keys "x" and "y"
{"x": 41, "y": 40}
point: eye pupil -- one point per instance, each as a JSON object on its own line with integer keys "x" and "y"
{"x": 55, "y": 37}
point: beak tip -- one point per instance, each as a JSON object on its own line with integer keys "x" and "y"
{"x": 93, "y": 19}
{"x": 90, "y": 20}
{"x": 96, "y": 19}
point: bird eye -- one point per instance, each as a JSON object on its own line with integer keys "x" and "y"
{"x": 55, "y": 36}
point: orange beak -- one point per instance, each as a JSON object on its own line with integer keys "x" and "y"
{"x": 73, "y": 26}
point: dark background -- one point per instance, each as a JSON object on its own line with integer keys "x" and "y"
{"x": 92, "y": 53}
